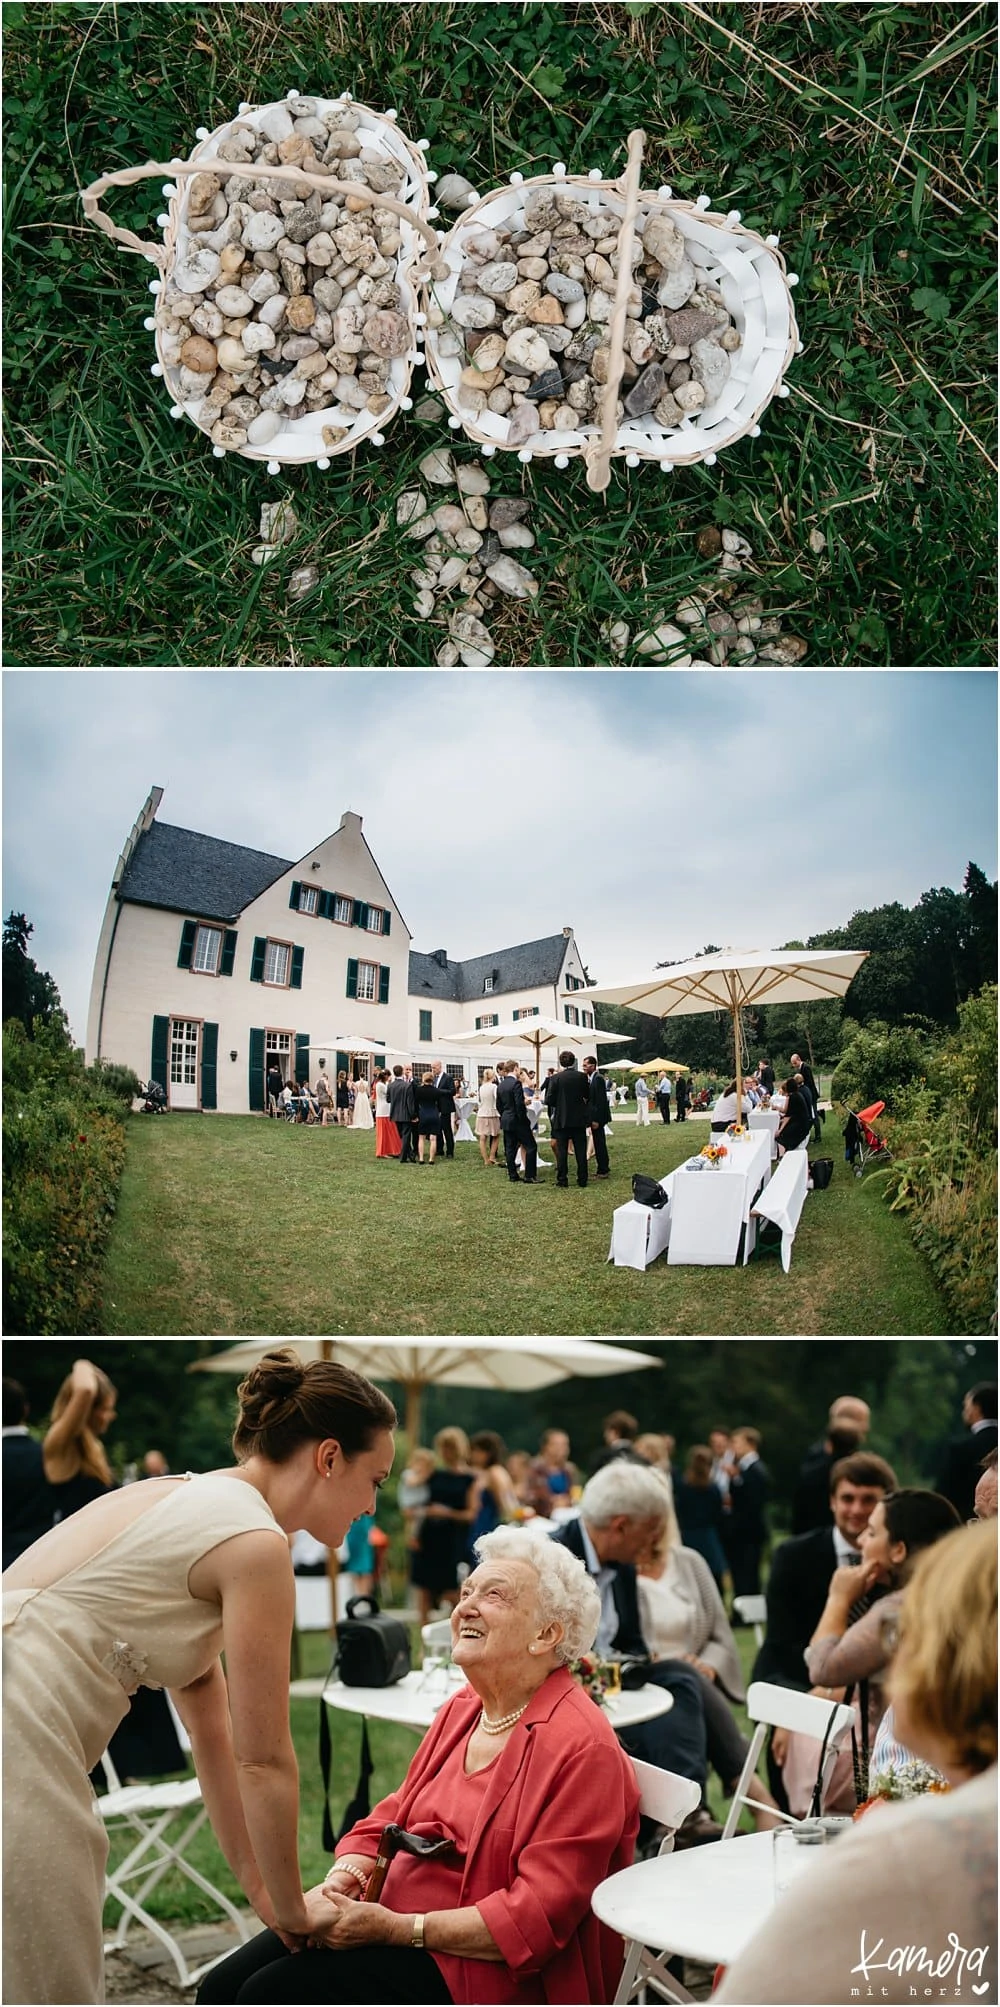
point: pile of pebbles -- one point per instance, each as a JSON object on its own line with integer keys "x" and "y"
{"x": 280, "y": 303}
{"x": 725, "y": 623}
{"x": 467, "y": 553}
{"x": 530, "y": 320}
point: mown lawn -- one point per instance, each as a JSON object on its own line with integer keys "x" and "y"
{"x": 234, "y": 1226}
{"x": 861, "y": 133}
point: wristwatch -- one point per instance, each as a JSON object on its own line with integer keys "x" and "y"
{"x": 417, "y": 1933}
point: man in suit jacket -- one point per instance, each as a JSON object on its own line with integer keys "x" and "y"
{"x": 848, "y": 1423}
{"x": 569, "y": 1116}
{"x": 801, "y": 1568}
{"x": 802, "y": 1066}
{"x": 620, "y": 1510}
{"x": 515, "y": 1127}
{"x": 403, "y": 1110}
{"x": 746, "y": 1533}
{"x": 599, "y": 1113}
{"x": 446, "y": 1096}
{"x": 962, "y": 1471}
{"x": 27, "y": 1495}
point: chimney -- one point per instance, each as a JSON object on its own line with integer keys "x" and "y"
{"x": 568, "y": 933}
{"x": 440, "y": 956}
{"x": 350, "y": 821}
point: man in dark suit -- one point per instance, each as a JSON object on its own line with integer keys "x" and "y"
{"x": 746, "y": 1532}
{"x": 599, "y": 1113}
{"x": 801, "y": 1568}
{"x": 27, "y": 1495}
{"x": 569, "y": 1116}
{"x": 963, "y": 1464}
{"x": 515, "y": 1126}
{"x": 446, "y": 1098}
{"x": 621, "y": 1508}
{"x": 802, "y": 1066}
{"x": 403, "y": 1111}
{"x": 848, "y": 1423}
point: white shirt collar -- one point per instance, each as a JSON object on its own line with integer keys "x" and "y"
{"x": 746, "y": 1460}
{"x": 843, "y": 1549}
{"x": 985, "y": 1423}
{"x": 20, "y": 1429}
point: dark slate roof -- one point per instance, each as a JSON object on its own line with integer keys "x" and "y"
{"x": 523, "y": 968}
{"x": 195, "y": 874}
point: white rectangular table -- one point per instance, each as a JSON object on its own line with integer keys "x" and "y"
{"x": 783, "y": 1199}
{"x": 638, "y": 1234}
{"x": 766, "y": 1118}
{"x": 710, "y": 1208}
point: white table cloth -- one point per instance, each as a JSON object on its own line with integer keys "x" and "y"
{"x": 416, "y": 1699}
{"x": 710, "y": 1207}
{"x": 783, "y": 1199}
{"x": 705, "y": 1903}
{"x": 638, "y": 1234}
{"x": 463, "y": 1110}
{"x": 766, "y": 1118}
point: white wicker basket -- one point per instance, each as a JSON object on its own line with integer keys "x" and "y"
{"x": 748, "y": 271}
{"x": 301, "y": 439}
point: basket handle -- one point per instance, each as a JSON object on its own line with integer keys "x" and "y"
{"x": 597, "y": 453}
{"x": 158, "y": 254}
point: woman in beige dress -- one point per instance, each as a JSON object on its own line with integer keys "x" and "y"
{"x": 487, "y": 1119}
{"x": 148, "y": 1585}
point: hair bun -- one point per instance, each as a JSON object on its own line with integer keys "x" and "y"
{"x": 269, "y": 1393}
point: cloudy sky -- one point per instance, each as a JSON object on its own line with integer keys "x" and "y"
{"x": 653, "y": 812}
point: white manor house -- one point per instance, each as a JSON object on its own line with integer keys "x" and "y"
{"x": 214, "y": 960}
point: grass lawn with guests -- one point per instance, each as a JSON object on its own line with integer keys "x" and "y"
{"x": 237, "y": 1226}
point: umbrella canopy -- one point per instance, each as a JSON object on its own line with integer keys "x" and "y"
{"x": 537, "y": 1032}
{"x": 619, "y": 1066}
{"x": 349, "y": 1042}
{"x": 657, "y": 1066}
{"x": 733, "y": 980}
{"x": 510, "y": 1365}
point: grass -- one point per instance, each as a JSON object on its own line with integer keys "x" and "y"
{"x": 240, "y": 1226}
{"x": 392, "y": 1748}
{"x": 861, "y": 133}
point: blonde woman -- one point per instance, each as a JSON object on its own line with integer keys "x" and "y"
{"x": 487, "y": 1120}
{"x": 73, "y": 1453}
{"x": 447, "y": 1517}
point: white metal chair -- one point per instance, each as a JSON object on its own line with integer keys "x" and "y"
{"x": 753, "y": 1610}
{"x": 667, "y": 1799}
{"x": 785, "y": 1707}
{"x": 153, "y": 1812}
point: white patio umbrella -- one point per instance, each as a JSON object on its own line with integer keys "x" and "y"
{"x": 510, "y": 1365}
{"x": 347, "y": 1042}
{"x": 734, "y": 980}
{"x": 537, "y": 1032}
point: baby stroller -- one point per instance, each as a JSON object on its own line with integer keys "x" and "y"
{"x": 861, "y": 1144}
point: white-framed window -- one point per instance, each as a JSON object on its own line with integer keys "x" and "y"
{"x": 574, "y": 983}
{"x": 308, "y": 899}
{"x": 207, "y": 951}
{"x": 486, "y": 1023}
{"x": 529, "y": 1011}
{"x": 487, "y": 986}
{"x": 278, "y": 1048}
{"x": 571, "y": 1014}
{"x": 375, "y": 921}
{"x": 277, "y": 957}
{"x": 343, "y": 909}
{"x": 368, "y": 973}
{"x": 183, "y": 1053}
{"x": 587, "y": 1019}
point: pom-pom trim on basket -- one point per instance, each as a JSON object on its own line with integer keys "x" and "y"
{"x": 747, "y": 271}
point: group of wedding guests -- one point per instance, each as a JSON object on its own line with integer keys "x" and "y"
{"x": 796, "y": 1098}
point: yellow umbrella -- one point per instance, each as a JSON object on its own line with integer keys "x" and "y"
{"x": 659, "y": 1066}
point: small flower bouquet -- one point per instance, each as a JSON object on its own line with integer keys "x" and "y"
{"x": 715, "y": 1152}
{"x": 594, "y": 1677}
{"x": 912, "y": 1779}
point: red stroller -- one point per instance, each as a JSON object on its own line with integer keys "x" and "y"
{"x": 861, "y": 1143}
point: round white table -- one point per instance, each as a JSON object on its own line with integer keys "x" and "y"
{"x": 416, "y": 1699}
{"x": 705, "y": 1903}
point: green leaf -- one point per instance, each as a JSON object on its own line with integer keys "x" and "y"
{"x": 933, "y": 305}
{"x": 550, "y": 80}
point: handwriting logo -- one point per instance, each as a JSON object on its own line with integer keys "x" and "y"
{"x": 955, "y": 1962}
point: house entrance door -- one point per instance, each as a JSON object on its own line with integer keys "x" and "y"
{"x": 184, "y": 1043}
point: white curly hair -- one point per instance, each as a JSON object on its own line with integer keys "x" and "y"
{"x": 566, "y": 1594}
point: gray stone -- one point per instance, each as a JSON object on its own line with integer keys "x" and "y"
{"x": 304, "y": 580}
{"x": 689, "y": 325}
{"x": 496, "y": 280}
{"x": 663, "y": 241}
{"x": 515, "y": 537}
{"x": 262, "y": 430}
{"x": 196, "y": 269}
{"x": 473, "y": 310}
{"x": 676, "y": 287}
{"x": 472, "y": 480}
{"x": 564, "y": 289}
{"x": 453, "y": 192}
{"x": 262, "y": 231}
{"x": 647, "y": 391}
{"x": 710, "y": 368}
{"x": 438, "y": 468}
{"x": 549, "y": 384}
{"x": 508, "y": 509}
{"x": 522, "y": 424}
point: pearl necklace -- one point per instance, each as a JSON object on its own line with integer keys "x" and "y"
{"x": 505, "y": 1721}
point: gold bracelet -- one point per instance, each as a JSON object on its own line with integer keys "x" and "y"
{"x": 417, "y": 1933}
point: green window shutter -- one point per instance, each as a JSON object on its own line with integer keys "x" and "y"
{"x": 158, "y": 1056}
{"x": 352, "y": 978}
{"x": 386, "y": 920}
{"x": 295, "y": 980}
{"x": 479, "y": 1024}
{"x": 343, "y": 1063}
{"x": 293, "y": 896}
{"x": 326, "y": 905}
{"x": 425, "y": 1026}
{"x": 186, "y": 950}
{"x": 257, "y": 1069}
{"x": 356, "y": 920}
{"x": 229, "y": 940}
{"x": 383, "y": 985}
{"x": 257, "y": 959}
{"x": 302, "y": 1055}
{"x": 209, "y": 1064}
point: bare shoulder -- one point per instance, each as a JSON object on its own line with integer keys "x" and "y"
{"x": 252, "y": 1560}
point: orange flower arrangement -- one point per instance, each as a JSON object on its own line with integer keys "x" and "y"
{"x": 714, "y": 1152}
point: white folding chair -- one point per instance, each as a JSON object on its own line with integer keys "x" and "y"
{"x": 667, "y": 1799}
{"x": 153, "y": 1812}
{"x": 804, "y": 1713}
{"x": 753, "y": 1610}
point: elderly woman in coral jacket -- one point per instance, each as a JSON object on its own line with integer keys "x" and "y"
{"x": 525, "y": 1775}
